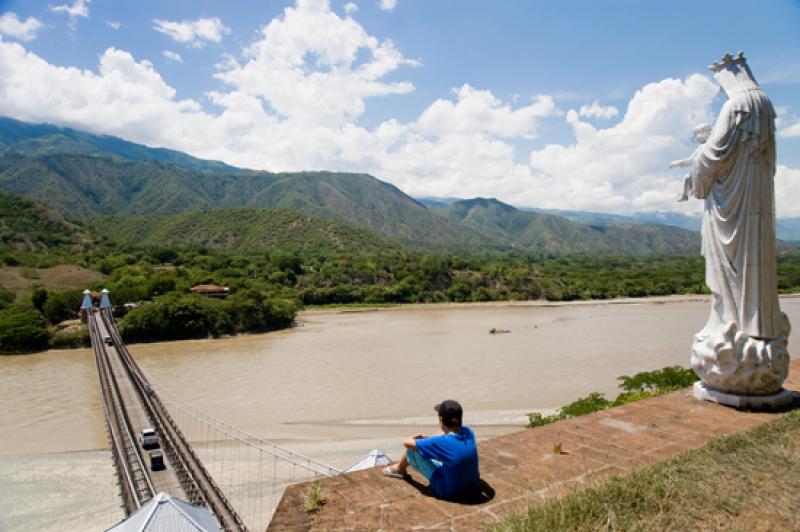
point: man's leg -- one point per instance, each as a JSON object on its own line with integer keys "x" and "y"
{"x": 402, "y": 465}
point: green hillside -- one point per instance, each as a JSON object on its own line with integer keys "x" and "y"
{"x": 89, "y": 185}
{"x": 243, "y": 229}
{"x": 84, "y": 175}
{"x": 547, "y": 233}
{"x": 30, "y": 226}
{"x": 46, "y": 139}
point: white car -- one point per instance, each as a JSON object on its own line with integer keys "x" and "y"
{"x": 149, "y": 439}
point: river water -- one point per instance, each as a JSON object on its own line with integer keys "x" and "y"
{"x": 338, "y": 385}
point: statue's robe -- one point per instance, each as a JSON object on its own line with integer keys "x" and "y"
{"x": 734, "y": 173}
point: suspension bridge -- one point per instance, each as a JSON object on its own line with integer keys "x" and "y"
{"x": 237, "y": 476}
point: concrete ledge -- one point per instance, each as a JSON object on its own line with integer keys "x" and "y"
{"x": 781, "y": 399}
{"x": 521, "y": 469}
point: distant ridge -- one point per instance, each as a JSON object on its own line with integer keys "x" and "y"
{"x": 42, "y": 139}
{"x": 788, "y": 228}
{"x": 548, "y": 233}
{"x": 84, "y": 175}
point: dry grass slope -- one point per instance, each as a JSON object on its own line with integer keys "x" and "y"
{"x": 747, "y": 481}
{"x": 21, "y": 280}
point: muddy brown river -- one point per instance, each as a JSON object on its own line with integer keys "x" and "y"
{"x": 336, "y": 386}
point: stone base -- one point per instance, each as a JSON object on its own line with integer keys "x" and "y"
{"x": 727, "y": 358}
{"x": 755, "y": 402}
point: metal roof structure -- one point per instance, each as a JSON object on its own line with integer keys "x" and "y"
{"x": 376, "y": 457}
{"x": 164, "y": 513}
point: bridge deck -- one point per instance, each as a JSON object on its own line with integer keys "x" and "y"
{"x": 164, "y": 480}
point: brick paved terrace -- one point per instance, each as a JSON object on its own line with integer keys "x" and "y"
{"x": 521, "y": 468}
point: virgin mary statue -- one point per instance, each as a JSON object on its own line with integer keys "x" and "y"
{"x": 742, "y": 348}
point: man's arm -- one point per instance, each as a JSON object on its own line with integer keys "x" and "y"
{"x": 411, "y": 442}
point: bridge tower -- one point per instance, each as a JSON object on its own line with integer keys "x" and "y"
{"x": 105, "y": 302}
{"x": 86, "y": 305}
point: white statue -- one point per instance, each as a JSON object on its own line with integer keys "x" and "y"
{"x": 741, "y": 351}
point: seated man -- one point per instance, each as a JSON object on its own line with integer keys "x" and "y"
{"x": 449, "y": 460}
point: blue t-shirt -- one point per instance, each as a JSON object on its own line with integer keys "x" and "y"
{"x": 458, "y": 454}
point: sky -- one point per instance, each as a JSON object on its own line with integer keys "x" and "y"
{"x": 576, "y": 105}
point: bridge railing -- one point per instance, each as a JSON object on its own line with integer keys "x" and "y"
{"x": 195, "y": 479}
{"x": 135, "y": 485}
{"x": 219, "y": 465}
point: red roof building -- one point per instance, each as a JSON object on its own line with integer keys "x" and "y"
{"x": 210, "y": 290}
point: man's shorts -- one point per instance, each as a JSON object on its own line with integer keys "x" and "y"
{"x": 424, "y": 465}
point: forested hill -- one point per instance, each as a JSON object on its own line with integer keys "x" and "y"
{"x": 27, "y": 225}
{"x": 88, "y": 185}
{"x": 243, "y": 229}
{"x": 84, "y": 175}
{"x": 547, "y": 233}
{"x": 45, "y": 139}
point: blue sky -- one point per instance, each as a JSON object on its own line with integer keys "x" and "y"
{"x": 571, "y": 105}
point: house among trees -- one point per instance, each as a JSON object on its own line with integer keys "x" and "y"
{"x": 210, "y": 290}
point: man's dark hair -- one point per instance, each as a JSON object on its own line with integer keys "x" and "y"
{"x": 450, "y": 412}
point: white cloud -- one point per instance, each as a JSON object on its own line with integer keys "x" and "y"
{"x": 172, "y": 56}
{"x": 125, "y": 97}
{"x": 481, "y": 112}
{"x": 23, "y": 30}
{"x": 388, "y": 5}
{"x": 79, "y": 8}
{"x": 193, "y": 32}
{"x": 350, "y": 8}
{"x": 598, "y": 111}
{"x": 624, "y": 168}
{"x": 306, "y": 65}
{"x": 297, "y": 101}
{"x": 787, "y": 192}
{"x": 792, "y": 130}
{"x": 113, "y": 24}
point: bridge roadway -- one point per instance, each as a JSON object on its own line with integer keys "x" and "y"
{"x": 131, "y": 404}
{"x": 165, "y": 480}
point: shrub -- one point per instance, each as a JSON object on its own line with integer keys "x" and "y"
{"x": 22, "y": 328}
{"x": 314, "y": 499}
{"x": 71, "y": 338}
{"x": 62, "y": 305}
{"x": 640, "y": 386}
{"x": 6, "y": 298}
{"x": 669, "y": 378}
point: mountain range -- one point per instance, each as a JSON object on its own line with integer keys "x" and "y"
{"x": 159, "y": 195}
{"x": 788, "y": 229}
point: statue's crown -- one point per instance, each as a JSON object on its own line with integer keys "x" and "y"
{"x": 726, "y": 61}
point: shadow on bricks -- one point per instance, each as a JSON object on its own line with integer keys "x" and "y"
{"x": 480, "y": 493}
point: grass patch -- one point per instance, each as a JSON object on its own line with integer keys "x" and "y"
{"x": 747, "y": 481}
{"x": 314, "y": 499}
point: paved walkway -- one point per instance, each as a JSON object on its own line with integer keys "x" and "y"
{"x": 521, "y": 469}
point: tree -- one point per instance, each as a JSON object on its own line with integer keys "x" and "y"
{"x": 22, "y": 328}
{"x": 6, "y": 298}
{"x": 38, "y": 298}
{"x": 62, "y": 305}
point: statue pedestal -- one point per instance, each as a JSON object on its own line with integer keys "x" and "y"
{"x": 728, "y": 359}
{"x": 755, "y": 402}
